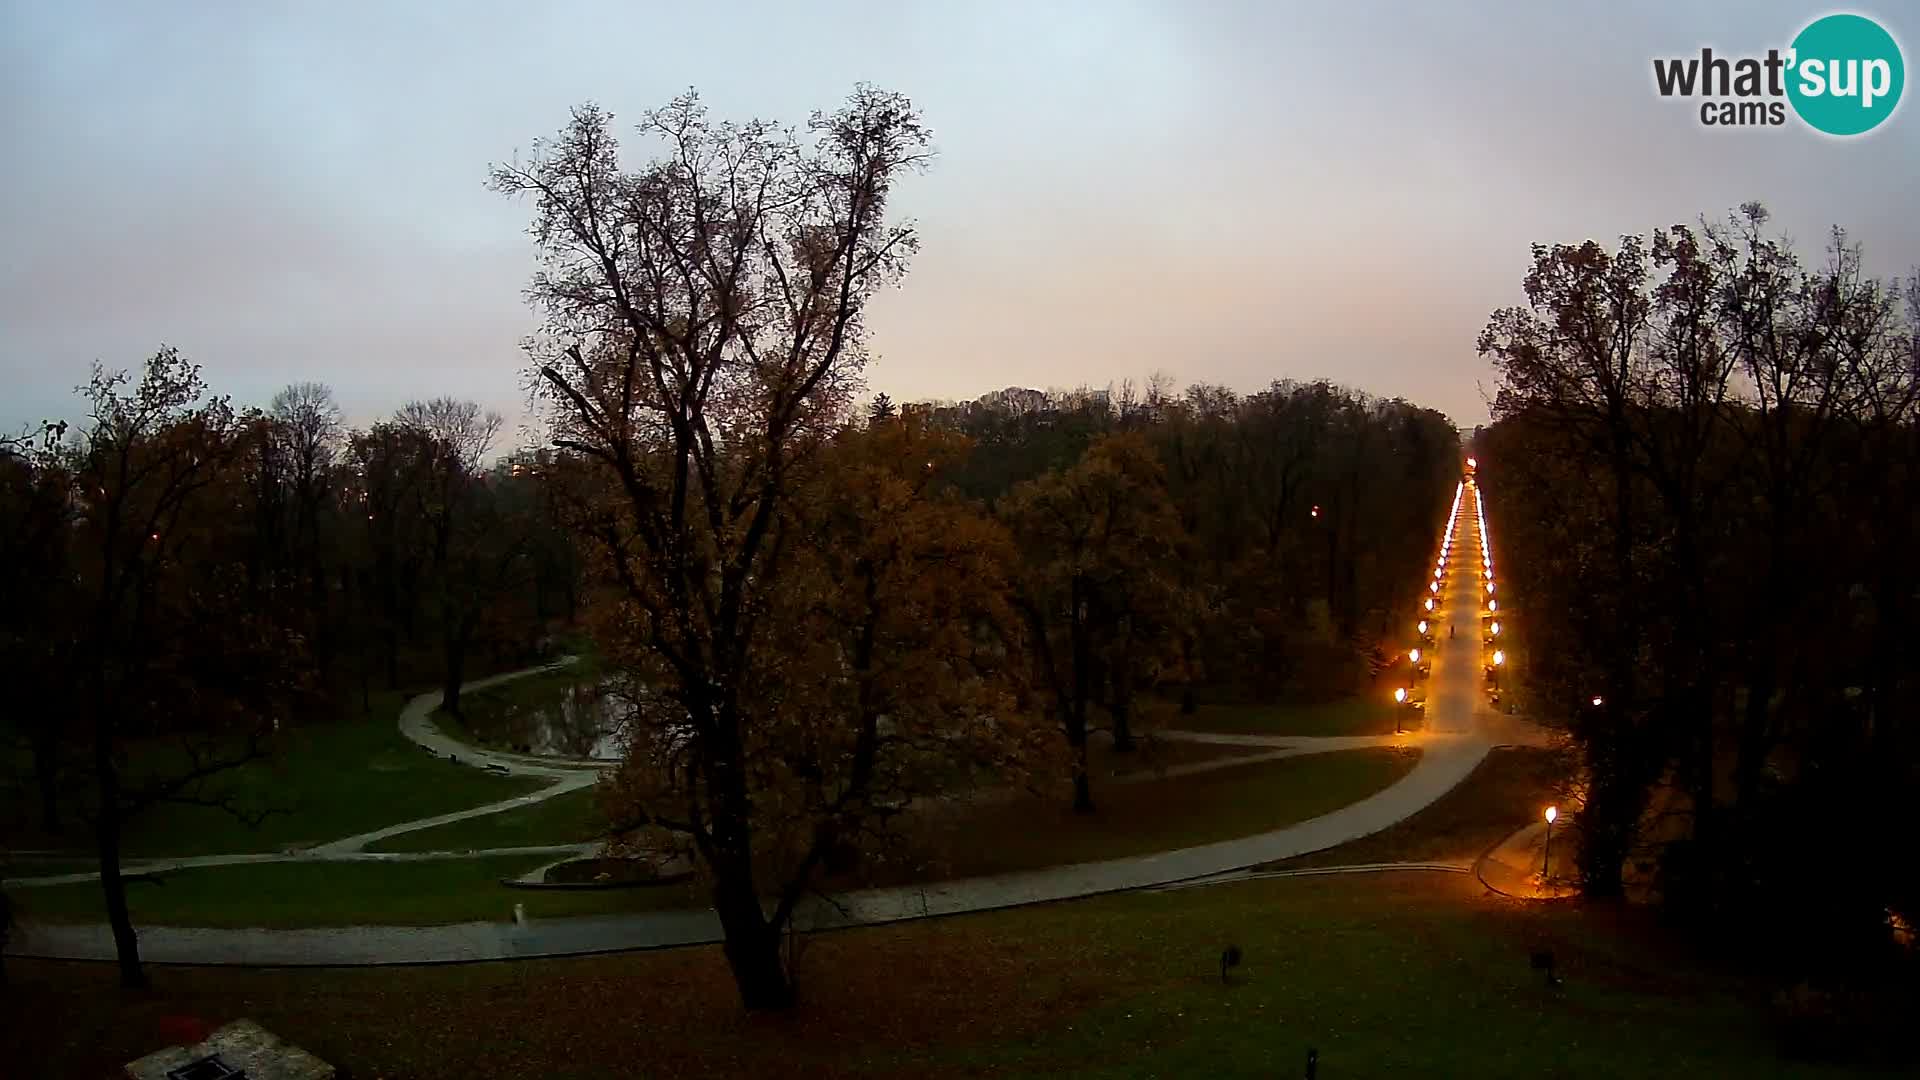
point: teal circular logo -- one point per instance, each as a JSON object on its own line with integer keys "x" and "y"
{"x": 1846, "y": 74}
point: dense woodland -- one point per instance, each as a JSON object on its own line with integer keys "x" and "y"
{"x": 1702, "y": 484}
{"x": 229, "y": 572}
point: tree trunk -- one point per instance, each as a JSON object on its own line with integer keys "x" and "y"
{"x": 1122, "y": 724}
{"x": 126, "y": 943}
{"x": 1607, "y": 830}
{"x": 456, "y": 657}
{"x": 47, "y": 776}
{"x": 1755, "y": 726}
{"x": 752, "y": 946}
{"x": 1082, "y": 783}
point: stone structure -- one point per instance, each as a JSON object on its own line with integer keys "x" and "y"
{"x": 243, "y": 1047}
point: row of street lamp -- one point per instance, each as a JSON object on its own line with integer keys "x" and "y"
{"x": 1486, "y": 573}
{"x": 1552, "y": 813}
{"x": 1401, "y": 694}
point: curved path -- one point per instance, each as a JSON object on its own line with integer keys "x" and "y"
{"x": 416, "y": 723}
{"x": 1452, "y": 745}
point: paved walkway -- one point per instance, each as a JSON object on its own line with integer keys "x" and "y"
{"x": 1446, "y": 761}
{"x": 1450, "y": 741}
{"x": 1523, "y": 867}
{"x": 416, "y": 723}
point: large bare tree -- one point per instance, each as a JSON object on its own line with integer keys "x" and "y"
{"x": 704, "y": 337}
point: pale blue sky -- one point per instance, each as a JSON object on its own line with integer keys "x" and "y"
{"x": 1231, "y": 192}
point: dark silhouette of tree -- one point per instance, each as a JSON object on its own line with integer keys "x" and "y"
{"x": 704, "y": 338}
{"x": 1702, "y": 472}
{"x": 1098, "y": 585}
{"x": 180, "y": 676}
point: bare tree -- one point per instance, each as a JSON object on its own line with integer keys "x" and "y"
{"x": 169, "y": 652}
{"x": 704, "y": 336}
{"x": 474, "y": 554}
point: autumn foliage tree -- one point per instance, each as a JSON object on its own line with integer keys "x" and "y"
{"x": 704, "y": 338}
{"x": 1703, "y": 468}
{"x": 180, "y": 677}
{"x": 1098, "y": 586}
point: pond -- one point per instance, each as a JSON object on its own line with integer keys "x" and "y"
{"x": 587, "y": 719}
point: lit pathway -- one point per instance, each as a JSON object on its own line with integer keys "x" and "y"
{"x": 1451, "y": 746}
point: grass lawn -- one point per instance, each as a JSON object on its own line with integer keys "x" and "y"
{"x": 986, "y": 837}
{"x": 1153, "y": 755}
{"x": 563, "y": 819}
{"x": 325, "y": 781}
{"x": 1352, "y": 716}
{"x": 575, "y": 817}
{"x": 286, "y": 895}
{"x": 1506, "y": 792}
{"x": 994, "y": 836}
{"x": 1386, "y": 975}
{"x": 38, "y": 866}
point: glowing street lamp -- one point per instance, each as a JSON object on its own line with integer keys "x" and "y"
{"x": 1433, "y": 587}
{"x": 1400, "y": 710}
{"x": 1598, "y": 701}
{"x": 1493, "y": 605}
{"x": 1546, "y": 848}
{"x": 1400, "y": 695}
{"x": 1499, "y": 657}
{"x": 1472, "y": 464}
{"x": 1429, "y": 603}
{"x": 1494, "y": 629}
{"x": 1413, "y": 655}
{"x": 1423, "y": 626}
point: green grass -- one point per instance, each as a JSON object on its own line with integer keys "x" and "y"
{"x": 1352, "y": 716}
{"x": 285, "y": 895}
{"x": 324, "y": 782}
{"x": 983, "y": 838}
{"x": 1396, "y": 976}
{"x": 1386, "y": 975}
{"x": 1145, "y": 816}
{"x": 564, "y": 819}
{"x": 1503, "y": 794}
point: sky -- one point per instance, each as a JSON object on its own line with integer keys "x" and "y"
{"x": 1228, "y": 193}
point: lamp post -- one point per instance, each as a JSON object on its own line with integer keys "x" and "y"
{"x": 1399, "y": 709}
{"x": 1546, "y": 848}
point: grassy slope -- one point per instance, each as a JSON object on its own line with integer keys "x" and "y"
{"x": 1387, "y": 975}
{"x": 333, "y": 894}
{"x": 1154, "y": 815}
{"x": 1352, "y": 716}
{"x": 325, "y": 782}
{"x": 1506, "y": 792}
{"x": 563, "y": 819}
{"x": 986, "y": 838}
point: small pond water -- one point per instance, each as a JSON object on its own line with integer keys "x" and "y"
{"x": 589, "y": 720}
